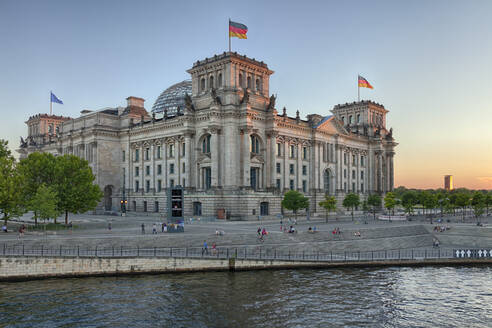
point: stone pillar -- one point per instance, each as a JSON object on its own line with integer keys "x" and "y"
{"x": 357, "y": 173}
{"x": 245, "y": 157}
{"x": 271, "y": 159}
{"x": 298, "y": 171}
{"x": 392, "y": 173}
{"x": 187, "y": 159}
{"x": 286, "y": 165}
{"x": 215, "y": 149}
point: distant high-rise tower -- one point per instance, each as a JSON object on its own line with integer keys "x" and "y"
{"x": 448, "y": 182}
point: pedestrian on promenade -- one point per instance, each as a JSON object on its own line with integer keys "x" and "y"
{"x": 109, "y": 226}
{"x": 258, "y": 231}
{"x": 143, "y": 229}
{"x": 214, "y": 248}
{"x": 162, "y": 226}
{"x": 205, "y": 247}
{"x": 154, "y": 229}
{"x": 4, "y": 228}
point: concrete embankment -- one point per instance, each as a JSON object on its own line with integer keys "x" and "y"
{"x": 30, "y": 268}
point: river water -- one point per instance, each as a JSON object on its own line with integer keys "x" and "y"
{"x": 372, "y": 297}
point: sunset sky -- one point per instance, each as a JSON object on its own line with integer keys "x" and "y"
{"x": 429, "y": 63}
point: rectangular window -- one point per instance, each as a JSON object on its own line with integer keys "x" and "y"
{"x": 134, "y": 206}
{"x": 291, "y": 184}
{"x": 353, "y": 160}
{"x": 362, "y": 174}
{"x": 345, "y": 186}
{"x": 344, "y": 173}
{"x": 171, "y": 183}
{"x": 159, "y": 185}
{"x": 136, "y": 186}
{"x": 304, "y": 186}
{"x": 291, "y": 168}
{"x": 361, "y": 187}
{"x": 279, "y": 149}
{"x": 159, "y": 169}
{"x": 184, "y": 182}
{"x": 304, "y": 170}
{"x": 123, "y": 155}
{"x": 145, "y": 206}
{"x": 292, "y": 151}
{"x": 325, "y": 155}
{"x": 158, "y": 152}
{"x": 345, "y": 158}
{"x": 184, "y": 168}
{"x": 147, "y": 185}
{"x": 147, "y": 154}
{"x": 304, "y": 152}
{"x": 171, "y": 150}
{"x": 147, "y": 170}
{"x": 137, "y": 171}
{"x": 353, "y": 174}
{"x": 137, "y": 154}
{"x": 171, "y": 168}
{"x": 353, "y": 187}
{"x": 278, "y": 183}
{"x": 362, "y": 161}
{"x": 183, "y": 149}
{"x": 156, "y": 207}
{"x": 278, "y": 168}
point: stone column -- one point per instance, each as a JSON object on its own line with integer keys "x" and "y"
{"x": 286, "y": 165}
{"x": 357, "y": 173}
{"x": 298, "y": 171}
{"x": 187, "y": 159}
{"x": 271, "y": 159}
{"x": 392, "y": 172}
{"x": 215, "y": 149}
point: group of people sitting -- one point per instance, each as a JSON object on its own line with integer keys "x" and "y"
{"x": 312, "y": 230}
{"x": 441, "y": 228}
{"x": 336, "y": 231}
{"x": 261, "y": 232}
{"x": 357, "y": 233}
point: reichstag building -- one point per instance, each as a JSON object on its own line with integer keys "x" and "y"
{"x": 221, "y": 137}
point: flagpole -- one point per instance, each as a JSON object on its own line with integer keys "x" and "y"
{"x": 51, "y": 105}
{"x": 358, "y": 90}
{"x": 229, "y": 33}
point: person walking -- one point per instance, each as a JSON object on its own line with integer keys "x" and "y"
{"x": 143, "y": 229}
{"x": 109, "y": 226}
{"x": 205, "y": 247}
{"x": 154, "y": 229}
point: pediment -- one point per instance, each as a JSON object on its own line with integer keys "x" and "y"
{"x": 257, "y": 158}
{"x": 331, "y": 125}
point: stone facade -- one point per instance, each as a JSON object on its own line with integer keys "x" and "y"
{"x": 229, "y": 147}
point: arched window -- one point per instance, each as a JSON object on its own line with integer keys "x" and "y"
{"x": 249, "y": 82}
{"x": 326, "y": 177}
{"x": 350, "y": 120}
{"x": 343, "y": 120}
{"x": 258, "y": 85}
{"x": 202, "y": 84}
{"x": 255, "y": 145}
{"x": 240, "y": 80}
{"x": 358, "y": 118}
{"x": 206, "y": 144}
{"x": 219, "y": 80}
{"x": 211, "y": 84}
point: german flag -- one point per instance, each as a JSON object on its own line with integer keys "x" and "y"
{"x": 363, "y": 83}
{"x": 237, "y": 30}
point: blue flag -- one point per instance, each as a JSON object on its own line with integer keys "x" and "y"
{"x": 55, "y": 99}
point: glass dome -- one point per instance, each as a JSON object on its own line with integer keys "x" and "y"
{"x": 172, "y": 97}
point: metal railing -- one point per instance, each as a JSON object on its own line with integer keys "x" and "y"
{"x": 253, "y": 253}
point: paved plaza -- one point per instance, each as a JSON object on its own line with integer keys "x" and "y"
{"x": 358, "y": 235}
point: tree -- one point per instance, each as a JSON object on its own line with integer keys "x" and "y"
{"x": 294, "y": 201}
{"x": 390, "y": 201}
{"x": 11, "y": 203}
{"x": 351, "y": 201}
{"x": 375, "y": 202}
{"x": 329, "y": 204}
{"x": 462, "y": 200}
{"x": 488, "y": 201}
{"x": 430, "y": 201}
{"x": 43, "y": 203}
{"x": 75, "y": 186}
{"x": 409, "y": 200}
{"x": 478, "y": 203}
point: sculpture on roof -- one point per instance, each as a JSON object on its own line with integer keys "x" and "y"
{"x": 215, "y": 99}
{"x": 271, "y": 104}
{"x": 245, "y": 98}
{"x": 23, "y": 143}
{"x": 189, "y": 103}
